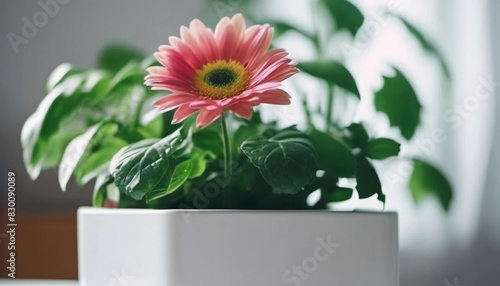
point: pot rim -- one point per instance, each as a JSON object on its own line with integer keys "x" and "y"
{"x": 89, "y": 209}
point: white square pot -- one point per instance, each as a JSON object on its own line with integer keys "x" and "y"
{"x": 132, "y": 247}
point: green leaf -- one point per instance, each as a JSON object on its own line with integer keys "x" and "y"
{"x": 286, "y": 159}
{"x": 367, "y": 179}
{"x": 73, "y": 153}
{"x": 426, "y": 45}
{"x": 130, "y": 75}
{"x": 62, "y": 102}
{"x": 124, "y": 102}
{"x": 199, "y": 160}
{"x": 59, "y": 74}
{"x": 80, "y": 147}
{"x": 249, "y": 129}
{"x": 340, "y": 195}
{"x": 181, "y": 173}
{"x": 179, "y": 176}
{"x": 330, "y": 191}
{"x": 144, "y": 166}
{"x": 169, "y": 128}
{"x": 96, "y": 86}
{"x": 56, "y": 146}
{"x": 426, "y": 180}
{"x": 188, "y": 169}
{"x": 97, "y": 161}
{"x": 59, "y": 105}
{"x": 345, "y": 15}
{"x": 114, "y": 57}
{"x": 358, "y": 136}
{"x": 382, "y": 148}
{"x": 100, "y": 189}
{"x": 333, "y": 72}
{"x": 153, "y": 128}
{"x": 398, "y": 101}
{"x": 334, "y": 156}
{"x": 209, "y": 140}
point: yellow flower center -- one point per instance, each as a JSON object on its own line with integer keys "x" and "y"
{"x": 221, "y": 79}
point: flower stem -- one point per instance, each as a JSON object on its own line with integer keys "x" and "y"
{"x": 227, "y": 161}
{"x": 329, "y": 108}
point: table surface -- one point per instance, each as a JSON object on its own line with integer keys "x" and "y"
{"x": 29, "y": 282}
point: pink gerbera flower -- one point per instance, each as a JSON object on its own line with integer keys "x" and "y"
{"x": 230, "y": 69}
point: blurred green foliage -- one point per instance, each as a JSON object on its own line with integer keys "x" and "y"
{"x": 99, "y": 124}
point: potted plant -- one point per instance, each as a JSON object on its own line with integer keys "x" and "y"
{"x": 225, "y": 198}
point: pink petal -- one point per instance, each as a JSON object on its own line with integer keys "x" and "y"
{"x": 173, "y": 60}
{"x": 274, "y": 66}
{"x": 266, "y": 86}
{"x": 221, "y": 27}
{"x": 182, "y": 113}
{"x": 275, "y": 96}
{"x": 172, "y": 84}
{"x": 268, "y": 38}
{"x": 267, "y": 58}
{"x": 239, "y": 25}
{"x": 227, "y": 43}
{"x": 188, "y": 37}
{"x": 205, "y": 40}
{"x": 229, "y": 101}
{"x": 208, "y": 104}
{"x": 197, "y": 27}
{"x": 256, "y": 42}
{"x": 157, "y": 70}
{"x": 242, "y": 110}
{"x": 167, "y": 79}
{"x": 192, "y": 58}
{"x": 171, "y": 101}
{"x": 281, "y": 74}
{"x": 206, "y": 117}
{"x": 270, "y": 66}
